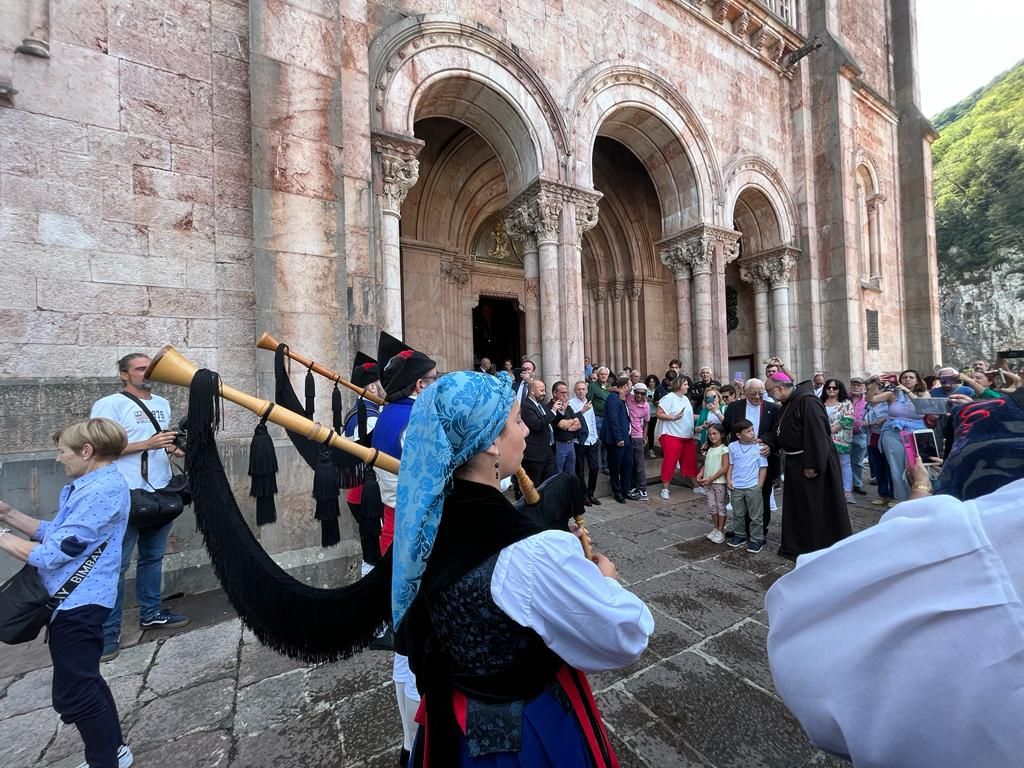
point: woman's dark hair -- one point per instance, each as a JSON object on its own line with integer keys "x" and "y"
{"x": 842, "y": 394}
{"x": 651, "y": 381}
{"x": 918, "y": 388}
{"x": 929, "y": 381}
{"x": 721, "y": 433}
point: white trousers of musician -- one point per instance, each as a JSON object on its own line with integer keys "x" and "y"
{"x": 408, "y": 697}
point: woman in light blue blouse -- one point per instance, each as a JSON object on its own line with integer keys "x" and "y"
{"x": 93, "y": 513}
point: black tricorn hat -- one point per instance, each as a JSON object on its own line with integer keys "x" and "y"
{"x": 404, "y": 364}
{"x": 364, "y": 370}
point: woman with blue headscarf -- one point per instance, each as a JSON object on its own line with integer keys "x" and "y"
{"x": 499, "y": 614}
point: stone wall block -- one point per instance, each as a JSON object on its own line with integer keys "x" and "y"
{"x": 138, "y": 270}
{"x": 294, "y": 36}
{"x": 232, "y": 179}
{"x": 165, "y": 105}
{"x": 34, "y": 327}
{"x": 31, "y": 260}
{"x": 229, "y": 248}
{"x": 355, "y": 46}
{"x": 92, "y": 234}
{"x": 18, "y": 227}
{"x": 290, "y": 164}
{"x": 236, "y": 332}
{"x": 236, "y": 276}
{"x": 120, "y": 148}
{"x": 75, "y": 83}
{"x": 234, "y": 221}
{"x": 172, "y": 35}
{"x": 35, "y": 360}
{"x": 236, "y": 304}
{"x": 292, "y": 100}
{"x": 173, "y": 243}
{"x": 195, "y": 160}
{"x": 200, "y": 274}
{"x": 101, "y": 298}
{"x": 86, "y": 170}
{"x": 80, "y": 22}
{"x": 299, "y": 224}
{"x": 230, "y": 33}
{"x": 44, "y": 131}
{"x": 24, "y": 193}
{"x": 157, "y": 212}
{"x": 21, "y": 158}
{"x": 172, "y": 185}
{"x": 185, "y": 303}
{"x": 125, "y": 330}
{"x": 231, "y": 133}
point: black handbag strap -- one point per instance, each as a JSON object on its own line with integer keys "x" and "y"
{"x": 78, "y": 576}
{"x": 144, "y": 468}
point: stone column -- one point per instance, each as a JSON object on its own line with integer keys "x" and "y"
{"x": 521, "y": 225}
{"x": 874, "y": 205}
{"x": 674, "y": 256}
{"x": 600, "y": 355}
{"x": 779, "y": 270}
{"x": 584, "y": 211}
{"x": 754, "y": 273}
{"x": 637, "y": 339}
{"x": 37, "y": 41}
{"x": 549, "y": 213}
{"x": 457, "y": 354}
{"x": 399, "y": 171}
{"x": 616, "y": 352}
{"x": 701, "y": 252}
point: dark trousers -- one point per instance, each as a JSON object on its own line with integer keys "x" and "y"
{"x": 587, "y": 454}
{"x": 880, "y": 471}
{"x": 80, "y": 694}
{"x": 620, "y": 467}
{"x": 539, "y": 471}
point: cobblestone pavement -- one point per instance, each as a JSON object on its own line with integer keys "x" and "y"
{"x": 701, "y": 695}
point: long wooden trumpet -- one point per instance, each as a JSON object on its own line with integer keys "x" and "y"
{"x": 169, "y": 366}
{"x": 266, "y": 341}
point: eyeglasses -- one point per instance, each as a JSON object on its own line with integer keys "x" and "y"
{"x": 833, "y": 387}
{"x": 429, "y": 378}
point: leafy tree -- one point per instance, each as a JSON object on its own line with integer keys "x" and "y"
{"x": 978, "y": 164}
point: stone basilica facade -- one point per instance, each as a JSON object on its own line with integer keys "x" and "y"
{"x": 633, "y": 180}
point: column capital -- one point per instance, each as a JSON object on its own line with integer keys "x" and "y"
{"x": 538, "y": 208}
{"x": 673, "y": 255}
{"x": 453, "y": 273}
{"x": 399, "y": 167}
{"x": 634, "y": 291}
{"x": 875, "y": 202}
{"x": 773, "y": 268}
{"x": 586, "y": 219}
{"x": 698, "y": 244}
{"x": 598, "y": 292}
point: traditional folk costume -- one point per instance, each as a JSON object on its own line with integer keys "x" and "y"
{"x": 404, "y": 367}
{"x": 499, "y": 612}
{"x": 813, "y": 509}
{"x": 903, "y": 645}
{"x": 359, "y": 423}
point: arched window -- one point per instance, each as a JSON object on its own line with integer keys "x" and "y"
{"x": 869, "y": 225}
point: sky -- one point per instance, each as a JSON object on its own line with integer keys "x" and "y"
{"x": 963, "y": 45}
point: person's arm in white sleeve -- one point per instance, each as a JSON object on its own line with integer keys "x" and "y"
{"x": 545, "y": 583}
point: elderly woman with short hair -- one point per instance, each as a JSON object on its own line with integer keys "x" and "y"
{"x": 92, "y": 517}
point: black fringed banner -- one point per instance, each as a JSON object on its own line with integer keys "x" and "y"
{"x": 325, "y": 491}
{"x": 263, "y": 471}
{"x": 303, "y": 622}
{"x": 336, "y": 408}
{"x": 310, "y": 392}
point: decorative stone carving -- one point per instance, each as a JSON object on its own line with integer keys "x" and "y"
{"x": 37, "y": 42}
{"x": 874, "y": 202}
{"x": 701, "y": 254}
{"x": 493, "y": 245}
{"x": 634, "y": 292}
{"x": 453, "y": 273}
{"x": 780, "y": 268}
{"x": 742, "y": 24}
{"x": 721, "y": 11}
{"x": 537, "y": 210}
{"x": 598, "y": 293}
{"x": 617, "y": 293}
{"x": 586, "y": 219}
{"x": 753, "y": 272}
{"x": 400, "y": 169}
{"x": 769, "y": 270}
{"x": 521, "y": 225}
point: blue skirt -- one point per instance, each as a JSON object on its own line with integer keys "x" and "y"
{"x": 551, "y": 738}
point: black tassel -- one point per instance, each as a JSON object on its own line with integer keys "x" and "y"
{"x": 336, "y": 408}
{"x": 325, "y": 492}
{"x": 310, "y": 393}
{"x": 263, "y": 471}
{"x": 361, "y": 418}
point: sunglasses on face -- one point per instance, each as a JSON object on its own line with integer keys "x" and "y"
{"x": 833, "y": 387}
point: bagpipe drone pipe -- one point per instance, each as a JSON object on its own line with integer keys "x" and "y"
{"x": 308, "y": 623}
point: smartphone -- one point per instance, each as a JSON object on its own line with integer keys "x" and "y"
{"x": 933, "y": 406}
{"x": 926, "y": 447}
{"x": 909, "y": 447}
{"x": 737, "y": 376}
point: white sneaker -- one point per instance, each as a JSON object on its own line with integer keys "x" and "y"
{"x": 699, "y": 491}
{"x": 125, "y": 758}
{"x": 719, "y": 537}
{"x": 710, "y": 536}
{"x": 664, "y": 493}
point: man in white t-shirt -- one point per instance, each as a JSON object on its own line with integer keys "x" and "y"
{"x": 144, "y": 464}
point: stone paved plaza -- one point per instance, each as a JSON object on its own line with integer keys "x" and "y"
{"x": 211, "y": 696}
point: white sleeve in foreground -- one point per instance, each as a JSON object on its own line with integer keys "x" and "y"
{"x": 545, "y": 583}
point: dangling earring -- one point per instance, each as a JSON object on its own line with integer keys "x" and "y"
{"x": 497, "y": 466}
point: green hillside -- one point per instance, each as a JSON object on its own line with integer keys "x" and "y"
{"x": 978, "y": 164}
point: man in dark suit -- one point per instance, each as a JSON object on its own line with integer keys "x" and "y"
{"x": 485, "y": 365}
{"x": 539, "y": 457}
{"x": 764, "y": 416}
{"x": 615, "y": 436}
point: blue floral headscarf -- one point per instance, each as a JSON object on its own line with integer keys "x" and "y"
{"x": 452, "y": 421}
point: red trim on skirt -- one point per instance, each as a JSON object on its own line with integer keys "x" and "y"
{"x": 387, "y": 529}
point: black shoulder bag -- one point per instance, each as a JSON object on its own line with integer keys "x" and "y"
{"x": 25, "y": 605}
{"x": 158, "y": 506}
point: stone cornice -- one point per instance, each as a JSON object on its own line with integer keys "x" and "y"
{"x": 403, "y": 147}
{"x": 875, "y": 100}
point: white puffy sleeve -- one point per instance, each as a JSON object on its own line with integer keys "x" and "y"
{"x": 545, "y": 583}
